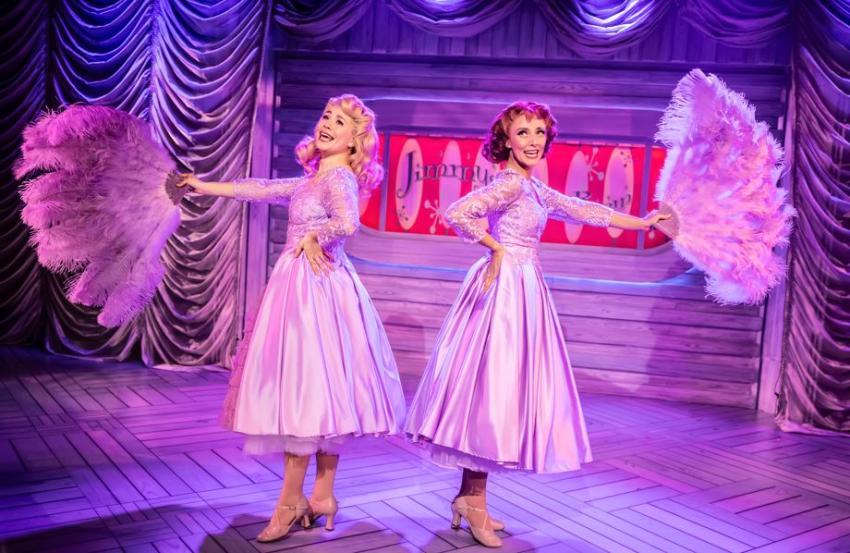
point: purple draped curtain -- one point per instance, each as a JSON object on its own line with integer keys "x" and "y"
{"x": 453, "y": 18}
{"x": 595, "y": 29}
{"x": 591, "y": 28}
{"x": 741, "y": 23}
{"x": 23, "y": 61}
{"x": 815, "y": 391}
{"x": 319, "y": 20}
{"x": 190, "y": 68}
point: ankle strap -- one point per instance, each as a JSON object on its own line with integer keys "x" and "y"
{"x": 292, "y": 507}
{"x": 466, "y": 505}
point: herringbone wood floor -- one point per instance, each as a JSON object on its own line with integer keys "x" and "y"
{"x": 117, "y": 457}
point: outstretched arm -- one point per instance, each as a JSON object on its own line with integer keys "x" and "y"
{"x": 630, "y": 222}
{"x": 561, "y": 206}
{"x": 277, "y": 191}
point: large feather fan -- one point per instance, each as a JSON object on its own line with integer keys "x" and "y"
{"x": 719, "y": 182}
{"x": 100, "y": 208}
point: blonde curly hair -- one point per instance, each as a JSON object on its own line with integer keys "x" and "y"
{"x": 363, "y": 158}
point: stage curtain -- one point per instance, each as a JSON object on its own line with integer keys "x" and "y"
{"x": 319, "y": 20}
{"x": 190, "y": 69}
{"x": 815, "y": 380}
{"x": 455, "y": 19}
{"x": 597, "y": 29}
{"x": 591, "y": 28}
{"x": 23, "y": 63}
{"x": 742, "y": 23}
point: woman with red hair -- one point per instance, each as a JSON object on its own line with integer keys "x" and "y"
{"x": 498, "y": 393}
{"x": 318, "y": 370}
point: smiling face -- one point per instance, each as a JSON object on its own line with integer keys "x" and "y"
{"x": 344, "y": 135}
{"x": 334, "y": 133}
{"x": 527, "y": 136}
{"x": 521, "y": 134}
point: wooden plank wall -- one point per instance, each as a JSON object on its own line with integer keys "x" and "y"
{"x": 637, "y": 323}
{"x": 647, "y": 339}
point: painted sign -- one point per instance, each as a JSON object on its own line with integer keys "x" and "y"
{"x": 425, "y": 174}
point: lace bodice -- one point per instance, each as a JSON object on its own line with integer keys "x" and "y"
{"x": 326, "y": 202}
{"x": 517, "y": 209}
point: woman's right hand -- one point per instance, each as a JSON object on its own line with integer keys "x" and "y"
{"x": 315, "y": 254}
{"x": 493, "y": 267}
{"x": 189, "y": 179}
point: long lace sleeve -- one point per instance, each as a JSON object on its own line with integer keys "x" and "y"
{"x": 496, "y": 196}
{"x": 343, "y": 209}
{"x": 561, "y": 206}
{"x": 276, "y": 191}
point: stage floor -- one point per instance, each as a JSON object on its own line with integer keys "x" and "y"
{"x": 117, "y": 457}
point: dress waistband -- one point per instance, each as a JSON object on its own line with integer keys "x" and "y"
{"x": 522, "y": 253}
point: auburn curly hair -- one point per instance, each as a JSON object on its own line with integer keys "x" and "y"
{"x": 364, "y": 155}
{"x": 496, "y": 147}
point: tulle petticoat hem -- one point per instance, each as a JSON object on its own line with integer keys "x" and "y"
{"x": 448, "y": 457}
{"x": 332, "y": 445}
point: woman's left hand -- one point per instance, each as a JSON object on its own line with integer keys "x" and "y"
{"x": 319, "y": 261}
{"x": 651, "y": 219}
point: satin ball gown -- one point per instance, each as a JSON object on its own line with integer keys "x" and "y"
{"x": 316, "y": 370}
{"x": 498, "y": 393}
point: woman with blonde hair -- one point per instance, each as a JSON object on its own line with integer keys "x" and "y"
{"x": 316, "y": 371}
{"x": 498, "y": 394}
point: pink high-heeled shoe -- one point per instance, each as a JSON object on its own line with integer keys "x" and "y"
{"x": 327, "y": 507}
{"x": 483, "y": 535}
{"x": 276, "y": 529}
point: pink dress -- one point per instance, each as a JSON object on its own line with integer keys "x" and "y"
{"x": 317, "y": 369}
{"x": 498, "y": 393}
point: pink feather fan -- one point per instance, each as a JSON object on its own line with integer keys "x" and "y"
{"x": 99, "y": 208}
{"x": 719, "y": 182}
